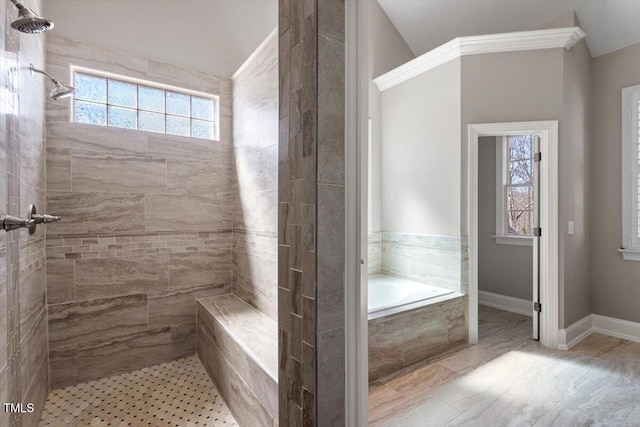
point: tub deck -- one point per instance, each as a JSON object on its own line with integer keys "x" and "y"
{"x": 390, "y": 295}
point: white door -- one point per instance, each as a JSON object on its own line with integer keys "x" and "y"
{"x": 537, "y": 233}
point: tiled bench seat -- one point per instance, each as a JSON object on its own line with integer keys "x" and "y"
{"x": 238, "y": 345}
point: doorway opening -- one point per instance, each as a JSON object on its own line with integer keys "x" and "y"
{"x": 526, "y": 213}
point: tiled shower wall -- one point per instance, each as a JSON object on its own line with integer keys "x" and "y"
{"x": 255, "y": 179}
{"x": 146, "y": 226}
{"x": 23, "y": 327}
{"x": 311, "y": 212}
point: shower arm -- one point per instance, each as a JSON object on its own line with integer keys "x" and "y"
{"x": 17, "y": 4}
{"x": 35, "y": 70}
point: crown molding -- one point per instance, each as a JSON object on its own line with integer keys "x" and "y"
{"x": 476, "y": 45}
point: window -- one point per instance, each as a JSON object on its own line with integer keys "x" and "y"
{"x": 631, "y": 173}
{"x": 115, "y": 101}
{"x": 515, "y": 209}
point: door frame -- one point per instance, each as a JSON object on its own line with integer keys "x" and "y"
{"x": 549, "y": 272}
{"x": 356, "y": 214}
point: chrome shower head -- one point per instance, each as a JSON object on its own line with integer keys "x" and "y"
{"x": 28, "y": 22}
{"x": 59, "y": 90}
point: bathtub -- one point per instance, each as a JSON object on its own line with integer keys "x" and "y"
{"x": 389, "y": 295}
{"x": 411, "y": 322}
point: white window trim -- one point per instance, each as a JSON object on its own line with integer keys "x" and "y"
{"x": 630, "y": 169}
{"x": 73, "y": 69}
{"x": 501, "y": 215}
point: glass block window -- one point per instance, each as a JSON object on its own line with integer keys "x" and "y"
{"x": 115, "y": 101}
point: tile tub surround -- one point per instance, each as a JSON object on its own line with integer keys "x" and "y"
{"x": 238, "y": 346}
{"x": 403, "y": 339}
{"x": 374, "y": 249}
{"x": 436, "y": 260}
{"x": 255, "y": 179}
{"x": 23, "y": 327}
{"x": 146, "y": 226}
{"x": 311, "y": 206}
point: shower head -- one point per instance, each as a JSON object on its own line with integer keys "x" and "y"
{"x": 28, "y": 22}
{"x": 59, "y": 90}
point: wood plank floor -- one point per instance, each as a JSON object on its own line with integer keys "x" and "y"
{"x": 510, "y": 380}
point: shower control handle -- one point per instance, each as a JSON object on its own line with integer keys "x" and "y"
{"x": 44, "y": 218}
{"x": 13, "y": 223}
{"x": 37, "y": 218}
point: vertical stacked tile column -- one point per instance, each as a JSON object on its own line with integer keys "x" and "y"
{"x": 23, "y": 328}
{"x": 311, "y": 213}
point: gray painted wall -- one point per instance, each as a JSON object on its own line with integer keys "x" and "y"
{"x": 551, "y": 84}
{"x": 387, "y": 50}
{"x": 574, "y": 184}
{"x": 421, "y": 153}
{"x": 614, "y": 282}
{"x": 502, "y": 269}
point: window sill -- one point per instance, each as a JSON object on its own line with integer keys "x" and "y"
{"x": 514, "y": 240}
{"x": 630, "y": 254}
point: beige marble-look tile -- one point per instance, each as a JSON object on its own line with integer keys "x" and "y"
{"x": 124, "y": 353}
{"x": 437, "y": 412}
{"x": 32, "y": 298}
{"x": 606, "y": 403}
{"x": 60, "y": 281}
{"x": 195, "y": 177}
{"x": 94, "y": 320}
{"x": 185, "y": 212}
{"x": 117, "y": 173}
{"x": 596, "y": 345}
{"x": 65, "y": 50}
{"x": 109, "y": 277}
{"x": 169, "y": 146}
{"x": 62, "y": 134}
{"x": 58, "y": 169}
{"x": 84, "y": 213}
{"x": 33, "y": 356}
{"x": 633, "y": 419}
{"x": 245, "y": 324}
{"x": 193, "y": 269}
{"x": 63, "y": 366}
{"x": 250, "y": 347}
{"x": 185, "y": 77}
{"x": 560, "y": 415}
{"x": 36, "y": 391}
{"x": 243, "y": 403}
{"x": 171, "y": 308}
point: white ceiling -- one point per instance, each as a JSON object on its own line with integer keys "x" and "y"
{"x": 209, "y": 35}
{"x": 426, "y": 24}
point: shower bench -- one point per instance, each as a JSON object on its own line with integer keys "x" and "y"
{"x": 238, "y": 346}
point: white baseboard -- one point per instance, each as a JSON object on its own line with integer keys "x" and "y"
{"x": 514, "y": 305}
{"x": 575, "y": 333}
{"x": 600, "y": 324}
{"x": 616, "y": 327}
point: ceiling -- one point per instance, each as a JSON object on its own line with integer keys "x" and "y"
{"x": 209, "y": 35}
{"x": 426, "y": 24}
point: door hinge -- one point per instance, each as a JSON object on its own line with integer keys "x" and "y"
{"x": 537, "y": 231}
{"x": 537, "y": 307}
{"x": 537, "y": 157}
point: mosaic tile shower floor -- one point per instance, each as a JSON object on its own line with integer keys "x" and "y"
{"x": 178, "y": 393}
